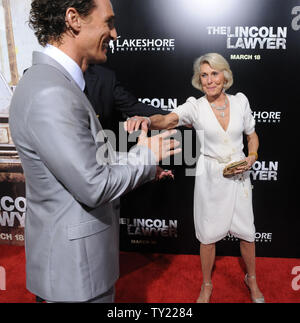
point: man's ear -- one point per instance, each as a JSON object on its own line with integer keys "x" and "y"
{"x": 73, "y": 21}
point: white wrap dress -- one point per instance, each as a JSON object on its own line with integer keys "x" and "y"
{"x": 222, "y": 205}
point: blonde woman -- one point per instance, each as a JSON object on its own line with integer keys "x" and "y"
{"x": 222, "y": 205}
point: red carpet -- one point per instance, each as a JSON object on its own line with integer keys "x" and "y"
{"x": 161, "y": 278}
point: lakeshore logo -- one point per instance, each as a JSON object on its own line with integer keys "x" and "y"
{"x": 268, "y": 117}
{"x": 150, "y": 227}
{"x": 164, "y": 104}
{"x": 142, "y": 45}
{"x": 264, "y": 171}
{"x": 263, "y": 237}
{"x": 11, "y": 211}
{"x": 251, "y": 37}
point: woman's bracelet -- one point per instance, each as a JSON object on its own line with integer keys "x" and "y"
{"x": 149, "y": 121}
{"x": 253, "y": 154}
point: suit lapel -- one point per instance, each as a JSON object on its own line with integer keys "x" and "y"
{"x": 40, "y": 58}
{"x": 95, "y": 126}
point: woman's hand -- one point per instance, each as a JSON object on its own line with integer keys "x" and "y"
{"x": 250, "y": 161}
{"x": 157, "y": 122}
{"x": 135, "y": 123}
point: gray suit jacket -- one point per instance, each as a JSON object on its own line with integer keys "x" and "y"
{"x": 71, "y": 226}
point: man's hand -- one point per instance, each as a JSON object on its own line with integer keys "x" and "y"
{"x": 160, "y": 145}
{"x": 135, "y": 123}
{"x": 163, "y": 173}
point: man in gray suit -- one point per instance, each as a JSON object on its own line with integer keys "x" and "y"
{"x": 73, "y": 176}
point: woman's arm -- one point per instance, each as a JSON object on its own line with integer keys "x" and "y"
{"x": 253, "y": 144}
{"x": 159, "y": 122}
{"x": 155, "y": 122}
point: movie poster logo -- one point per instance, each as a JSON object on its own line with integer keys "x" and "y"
{"x": 264, "y": 171}
{"x": 251, "y": 37}
{"x": 142, "y": 45}
{"x": 12, "y": 220}
{"x": 150, "y": 228}
{"x": 162, "y": 103}
{"x": 12, "y": 211}
{"x": 261, "y": 237}
{"x": 267, "y": 117}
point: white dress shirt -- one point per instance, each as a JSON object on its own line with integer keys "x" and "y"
{"x": 67, "y": 62}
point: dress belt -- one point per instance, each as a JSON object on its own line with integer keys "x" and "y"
{"x": 226, "y": 160}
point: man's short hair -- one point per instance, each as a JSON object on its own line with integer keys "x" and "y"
{"x": 47, "y": 17}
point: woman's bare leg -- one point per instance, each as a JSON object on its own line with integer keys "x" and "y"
{"x": 207, "y": 256}
{"x": 248, "y": 254}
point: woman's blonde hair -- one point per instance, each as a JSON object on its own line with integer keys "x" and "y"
{"x": 215, "y": 61}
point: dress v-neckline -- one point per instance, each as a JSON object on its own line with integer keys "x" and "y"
{"x": 215, "y": 117}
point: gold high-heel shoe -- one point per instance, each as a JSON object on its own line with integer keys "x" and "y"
{"x": 202, "y": 286}
{"x": 254, "y": 300}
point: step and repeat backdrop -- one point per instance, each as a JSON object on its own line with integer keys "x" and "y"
{"x": 16, "y": 45}
{"x": 158, "y": 42}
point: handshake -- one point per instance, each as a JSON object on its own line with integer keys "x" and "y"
{"x": 160, "y": 145}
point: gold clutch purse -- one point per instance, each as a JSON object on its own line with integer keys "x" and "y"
{"x": 230, "y": 168}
